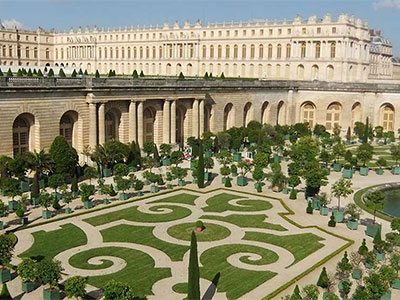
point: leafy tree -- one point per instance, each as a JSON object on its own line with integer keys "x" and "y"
{"x": 121, "y": 170}
{"x": 353, "y": 211}
{"x": 208, "y": 163}
{"x": 244, "y": 167}
{"x": 38, "y": 162}
{"x": 45, "y": 200}
{"x": 395, "y": 152}
{"x": 80, "y": 72}
{"x": 224, "y": 158}
{"x": 49, "y": 272}
{"x": 381, "y": 162}
{"x": 179, "y": 172}
{"x": 200, "y": 166}
{"x": 10, "y": 187}
{"x": 165, "y": 150}
{"x": 364, "y": 153}
{"x": 206, "y": 75}
{"x": 123, "y": 184}
{"x": 258, "y": 174}
{"x": 376, "y": 285}
{"x": 18, "y": 166}
{"x": 378, "y": 132}
{"x": 343, "y": 267}
{"x": 86, "y": 73}
{"x": 75, "y": 287}
{"x": 332, "y": 297}
{"x": 325, "y": 157}
{"x": 117, "y": 290}
{"x": 314, "y": 177}
{"x": 306, "y": 149}
{"x": 338, "y": 151}
{"x": 323, "y": 279}
{"x": 395, "y": 224}
{"x": 261, "y": 160}
{"x": 51, "y": 73}
{"x": 194, "y": 273}
{"x": 309, "y": 208}
{"x": 5, "y": 294}
{"x": 27, "y": 270}
{"x": 90, "y": 173}
{"x": 85, "y": 192}
{"x": 310, "y": 292}
{"x": 319, "y": 129}
{"x": 74, "y": 184}
{"x": 176, "y": 157}
{"x": 375, "y": 201}
{"x": 148, "y": 148}
{"x": 6, "y": 249}
{"x": 19, "y": 73}
{"x": 64, "y": 156}
{"x": 55, "y": 181}
{"x": 341, "y": 188}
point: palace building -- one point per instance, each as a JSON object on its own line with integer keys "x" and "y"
{"x": 320, "y": 71}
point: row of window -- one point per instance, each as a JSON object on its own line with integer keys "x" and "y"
{"x": 28, "y": 51}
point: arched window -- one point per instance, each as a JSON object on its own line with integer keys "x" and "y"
{"x": 134, "y": 52}
{"x": 129, "y": 52}
{"x": 27, "y": 52}
{"x": 243, "y": 51}
{"x": 21, "y": 130}
{"x": 227, "y": 51}
{"x": 180, "y": 50}
{"x": 261, "y": 51}
{"x": 122, "y": 52}
{"x": 288, "y": 50}
{"x": 252, "y": 51}
{"x": 270, "y": 51}
{"x": 170, "y": 51}
{"x": 229, "y": 117}
{"x": 141, "y": 52}
{"x": 314, "y": 72}
{"x": 333, "y": 50}
{"x": 308, "y": 114}
{"x": 219, "y": 51}
{"x": 356, "y": 114}
{"x": 330, "y": 73}
{"x": 204, "y": 51}
{"x": 211, "y": 51}
{"x": 279, "y": 51}
{"x": 300, "y": 72}
{"x": 247, "y": 113}
{"x": 318, "y": 50}
{"x": 154, "y": 52}
{"x": 235, "y": 51}
{"x": 66, "y": 127}
{"x": 111, "y": 52}
{"x": 303, "y": 49}
{"x": 333, "y": 116}
{"x": 47, "y": 53}
{"x": 387, "y": 117}
{"x": 160, "y": 52}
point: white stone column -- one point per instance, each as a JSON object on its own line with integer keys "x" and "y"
{"x": 92, "y": 125}
{"x": 102, "y": 125}
{"x": 173, "y": 122}
{"x": 201, "y": 115}
{"x": 140, "y": 124}
{"x": 195, "y": 118}
{"x": 132, "y": 121}
{"x": 166, "y": 124}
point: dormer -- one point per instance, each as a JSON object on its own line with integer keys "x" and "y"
{"x": 312, "y": 19}
{"x": 327, "y": 18}
{"x": 297, "y": 20}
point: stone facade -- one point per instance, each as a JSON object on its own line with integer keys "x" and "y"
{"x": 90, "y": 111}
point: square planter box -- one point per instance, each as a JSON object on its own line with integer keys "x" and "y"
{"x": 5, "y": 275}
{"x": 24, "y": 186}
{"x": 379, "y": 256}
{"x": 396, "y": 284}
{"x": 337, "y": 167}
{"x": 364, "y": 171}
{"x": 387, "y": 296}
{"x": 154, "y": 189}
{"x": 88, "y": 204}
{"x": 12, "y": 205}
{"x": 169, "y": 186}
{"x": 324, "y": 211}
{"x": 1, "y": 225}
{"x": 347, "y": 173}
{"x": 46, "y": 214}
{"x": 107, "y": 172}
{"x": 339, "y": 216}
{"x": 123, "y": 196}
{"x": 133, "y": 169}
{"x": 181, "y": 182}
{"x": 372, "y": 229}
{"x": 316, "y": 203}
{"x": 208, "y": 154}
{"x": 234, "y": 174}
{"x": 42, "y": 183}
{"x": 146, "y": 182}
{"x": 139, "y": 193}
{"x": 379, "y": 171}
{"x": 56, "y": 195}
{"x": 68, "y": 210}
{"x": 106, "y": 201}
{"x": 207, "y": 176}
{"x": 241, "y": 181}
{"x": 353, "y": 225}
{"x": 28, "y": 286}
{"x": 192, "y": 165}
{"x": 277, "y": 158}
{"x": 34, "y": 201}
{"x": 356, "y": 274}
{"x": 23, "y": 220}
{"x": 51, "y": 294}
{"x": 368, "y": 265}
{"x": 166, "y": 162}
{"x": 285, "y": 191}
{"x": 237, "y": 157}
{"x": 395, "y": 170}
{"x": 75, "y": 194}
{"x": 223, "y": 180}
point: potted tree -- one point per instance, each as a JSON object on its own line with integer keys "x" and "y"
{"x": 45, "y": 200}
{"x": 208, "y": 164}
{"x": 165, "y": 152}
{"x": 225, "y": 171}
{"x": 341, "y": 188}
{"x": 244, "y": 167}
{"x": 139, "y": 186}
{"x": 49, "y": 273}
{"x": 364, "y": 154}
{"x": 75, "y": 287}
{"x": 355, "y": 261}
{"x": 20, "y": 212}
{"x": 123, "y": 184}
{"x": 10, "y": 188}
{"x": 67, "y": 199}
{"x": 381, "y": 162}
{"x": 179, "y": 173}
{"x": 27, "y": 270}
{"x": 234, "y": 170}
{"x": 354, "y": 212}
{"x": 55, "y": 181}
{"x": 6, "y": 249}
{"x": 338, "y": 151}
{"x": 370, "y": 260}
{"x": 395, "y": 153}
{"x": 347, "y": 171}
{"x": 395, "y": 263}
{"x": 343, "y": 270}
{"x": 293, "y": 181}
{"x": 278, "y": 180}
{"x": 258, "y": 176}
{"x": 18, "y": 167}
{"x": 324, "y": 201}
{"x": 3, "y": 213}
{"x": 86, "y": 192}
{"x": 375, "y": 202}
{"x": 380, "y": 246}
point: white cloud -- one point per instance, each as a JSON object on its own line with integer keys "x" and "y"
{"x": 12, "y": 22}
{"x": 387, "y": 4}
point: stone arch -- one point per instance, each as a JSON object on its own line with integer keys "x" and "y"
{"x": 315, "y": 72}
{"x": 387, "y": 116}
{"x": 308, "y": 113}
{"x": 247, "y": 113}
{"x": 300, "y": 72}
{"x": 189, "y": 70}
{"x": 168, "y": 69}
{"x": 356, "y": 114}
{"x": 281, "y": 113}
{"x": 330, "y": 73}
{"x": 69, "y": 127}
{"x": 149, "y": 118}
{"x": 229, "y": 116}
{"x": 178, "y": 68}
{"x": 203, "y": 69}
{"x": 265, "y": 112}
{"x": 333, "y": 116}
{"x": 23, "y": 133}
{"x": 243, "y": 70}
{"x": 260, "y": 71}
{"x": 287, "y": 71}
{"x": 251, "y": 70}
{"x": 112, "y": 124}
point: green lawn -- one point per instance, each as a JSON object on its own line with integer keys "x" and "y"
{"x": 253, "y": 221}
{"x": 143, "y": 235}
{"x": 219, "y": 203}
{"x": 300, "y": 245}
{"x": 133, "y": 214}
{"x": 236, "y": 281}
{"x": 49, "y": 244}
{"x": 212, "y": 232}
{"x": 139, "y": 272}
{"x": 181, "y": 198}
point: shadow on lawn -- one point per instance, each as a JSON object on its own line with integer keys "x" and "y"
{"x": 212, "y": 289}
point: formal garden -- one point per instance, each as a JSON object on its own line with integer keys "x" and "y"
{"x": 122, "y": 220}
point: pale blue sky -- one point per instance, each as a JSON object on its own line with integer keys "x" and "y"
{"x": 62, "y": 14}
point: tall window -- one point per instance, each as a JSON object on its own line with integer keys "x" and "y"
{"x": 270, "y": 51}
{"x": 116, "y": 52}
{"x": 154, "y": 52}
{"x": 128, "y": 50}
{"x": 110, "y": 127}
{"x": 387, "y": 116}
{"x": 261, "y": 51}
{"x": 191, "y": 50}
{"x": 333, "y": 50}
{"x": 47, "y": 53}
{"x": 279, "y": 51}
{"x": 66, "y": 128}
{"x": 288, "y": 50}
{"x": 141, "y": 52}
{"x": 160, "y": 52}
{"x": 308, "y": 114}
{"x": 303, "y": 49}
{"x": 123, "y": 52}
{"x": 227, "y": 51}
{"x": 252, "y": 51}
{"x": 20, "y": 136}
{"x": 204, "y": 51}
{"x": 211, "y": 51}
{"x": 318, "y": 50}
{"x": 333, "y": 116}
{"x": 219, "y": 51}
{"x": 243, "y": 51}
{"x": 10, "y": 51}
{"x": 134, "y": 52}
{"x": 180, "y": 50}
{"x": 235, "y": 51}
{"x": 27, "y": 52}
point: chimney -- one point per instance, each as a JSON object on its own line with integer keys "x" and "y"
{"x": 378, "y": 32}
{"x": 371, "y": 32}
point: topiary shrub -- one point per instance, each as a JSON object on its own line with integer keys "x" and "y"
{"x": 29, "y": 74}
{"x": 309, "y": 208}
{"x": 39, "y": 73}
{"x": 199, "y": 224}
{"x": 206, "y": 75}
{"x": 51, "y": 73}
{"x": 363, "y": 250}
{"x": 293, "y": 194}
{"x": 323, "y": 279}
{"x": 19, "y": 73}
{"x": 61, "y": 73}
{"x": 73, "y": 75}
{"x": 80, "y": 72}
{"x": 222, "y": 76}
{"x": 228, "y": 182}
{"x": 141, "y": 74}
{"x": 135, "y": 74}
{"x": 1, "y": 72}
{"x": 97, "y": 75}
{"x": 181, "y": 76}
{"x": 86, "y": 73}
{"x": 332, "y": 222}
{"x": 9, "y": 73}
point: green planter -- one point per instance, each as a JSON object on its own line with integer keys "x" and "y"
{"x": 106, "y": 201}
{"x": 68, "y": 210}
{"x": 339, "y": 216}
{"x": 169, "y": 186}
{"x": 5, "y": 275}
{"x": 107, "y": 172}
{"x": 207, "y": 176}
{"x": 241, "y": 181}
{"x": 395, "y": 170}
{"x": 387, "y": 296}
{"x": 364, "y": 171}
{"x": 396, "y": 284}
{"x": 192, "y": 165}
{"x": 46, "y": 214}
{"x": 324, "y": 211}
{"x": 23, "y": 220}
{"x": 234, "y": 174}
{"x": 75, "y": 194}
{"x": 368, "y": 266}
{"x": 53, "y": 294}
{"x": 88, "y": 204}
{"x": 154, "y": 189}
{"x": 1, "y": 225}
{"x": 372, "y": 229}
{"x": 347, "y": 173}
{"x": 166, "y": 162}
{"x": 12, "y": 205}
{"x": 57, "y": 195}
{"x": 42, "y": 184}
{"x": 24, "y": 186}
{"x": 337, "y": 167}
{"x": 379, "y": 256}
{"x": 353, "y": 225}
{"x": 316, "y": 203}
{"x": 123, "y": 196}
{"x": 181, "y": 182}
{"x": 356, "y": 274}
{"x": 34, "y": 201}
{"x": 208, "y": 154}
{"x": 276, "y": 158}
{"x": 139, "y": 193}
{"x": 147, "y": 182}
{"x": 237, "y": 157}
{"x": 133, "y": 169}
{"x": 28, "y": 286}
{"x": 223, "y": 180}
{"x": 285, "y": 191}
{"x": 379, "y": 171}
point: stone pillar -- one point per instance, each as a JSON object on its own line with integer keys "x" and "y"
{"x": 195, "y": 118}
{"x": 173, "y": 122}
{"x": 201, "y": 115}
{"x": 166, "y": 124}
{"x": 140, "y": 124}
{"x": 92, "y": 125}
{"x": 132, "y": 121}
{"x": 102, "y": 124}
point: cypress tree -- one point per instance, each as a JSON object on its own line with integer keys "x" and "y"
{"x": 45, "y": 69}
{"x": 200, "y": 166}
{"x": 29, "y": 74}
{"x": 19, "y": 73}
{"x": 80, "y": 71}
{"x": 211, "y": 75}
{"x": 23, "y": 71}
{"x": 51, "y": 73}
{"x": 61, "y": 73}
{"x": 135, "y": 74}
{"x": 97, "y": 75}
{"x": 377, "y": 237}
{"x": 86, "y": 73}
{"x": 194, "y": 272}
{"x": 34, "y": 72}
{"x": 309, "y": 208}
{"x": 141, "y": 74}
{"x": 73, "y": 75}
{"x": 222, "y": 76}
{"x": 39, "y": 73}
{"x": 5, "y": 294}
{"x": 9, "y": 73}
{"x": 114, "y": 73}
{"x": 296, "y": 294}
{"x": 206, "y": 75}
{"x": 1, "y": 72}
{"x": 110, "y": 73}
{"x": 323, "y": 279}
{"x": 181, "y": 76}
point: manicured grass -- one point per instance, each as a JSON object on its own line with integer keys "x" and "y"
{"x": 236, "y": 281}
{"x": 49, "y": 244}
{"x": 139, "y": 272}
{"x": 181, "y": 198}
{"x": 253, "y": 221}
{"x": 212, "y": 232}
{"x": 180, "y": 288}
{"x": 133, "y": 214}
{"x": 219, "y": 203}
{"x": 143, "y": 235}
{"x": 300, "y": 245}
